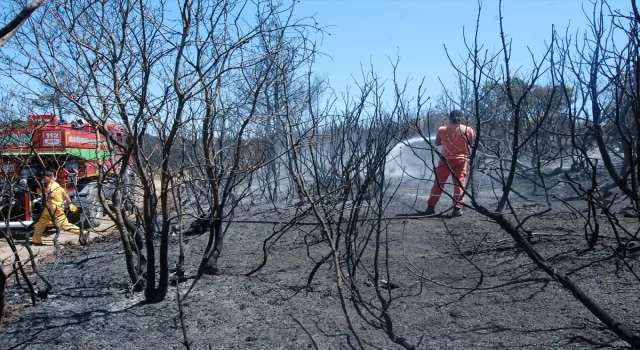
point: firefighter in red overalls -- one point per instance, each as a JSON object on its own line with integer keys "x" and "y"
{"x": 455, "y": 139}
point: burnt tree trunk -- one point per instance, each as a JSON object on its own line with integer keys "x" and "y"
{"x": 212, "y": 254}
{"x": 3, "y": 284}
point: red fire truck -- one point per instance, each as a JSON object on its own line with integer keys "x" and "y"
{"x": 74, "y": 151}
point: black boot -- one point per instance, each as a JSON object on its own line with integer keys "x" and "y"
{"x": 457, "y": 212}
{"x": 430, "y": 210}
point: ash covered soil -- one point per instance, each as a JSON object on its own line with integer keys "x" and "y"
{"x": 478, "y": 289}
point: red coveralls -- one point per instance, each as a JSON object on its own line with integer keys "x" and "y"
{"x": 455, "y": 139}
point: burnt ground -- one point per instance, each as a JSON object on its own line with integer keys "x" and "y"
{"x": 515, "y": 306}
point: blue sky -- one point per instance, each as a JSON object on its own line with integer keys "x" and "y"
{"x": 367, "y": 31}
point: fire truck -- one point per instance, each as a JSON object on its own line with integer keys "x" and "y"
{"x": 74, "y": 151}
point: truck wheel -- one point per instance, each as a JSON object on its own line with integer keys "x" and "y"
{"x": 93, "y": 209}
{"x": 90, "y": 210}
{"x": 128, "y": 205}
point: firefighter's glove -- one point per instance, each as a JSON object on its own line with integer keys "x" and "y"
{"x": 73, "y": 208}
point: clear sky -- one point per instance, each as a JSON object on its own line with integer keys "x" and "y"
{"x": 367, "y": 31}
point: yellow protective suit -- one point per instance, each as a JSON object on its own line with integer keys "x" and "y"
{"x": 55, "y": 206}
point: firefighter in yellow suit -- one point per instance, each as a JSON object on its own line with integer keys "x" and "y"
{"x": 54, "y": 209}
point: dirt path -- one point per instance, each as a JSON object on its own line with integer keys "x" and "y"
{"x": 47, "y": 249}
